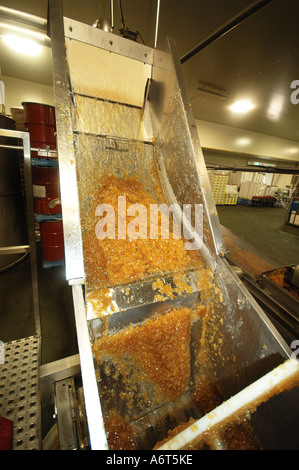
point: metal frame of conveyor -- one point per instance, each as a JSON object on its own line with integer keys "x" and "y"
{"x": 71, "y": 223}
{"x": 169, "y": 120}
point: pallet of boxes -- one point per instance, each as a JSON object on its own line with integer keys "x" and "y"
{"x": 254, "y": 192}
{"x": 224, "y": 191}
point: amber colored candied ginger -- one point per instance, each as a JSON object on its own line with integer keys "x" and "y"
{"x": 174, "y": 432}
{"x": 278, "y": 277}
{"x": 116, "y": 261}
{"x": 159, "y": 346}
{"x": 206, "y": 395}
{"x": 120, "y": 435}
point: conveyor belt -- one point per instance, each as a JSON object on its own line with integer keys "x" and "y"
{"x": 283, "y": 318}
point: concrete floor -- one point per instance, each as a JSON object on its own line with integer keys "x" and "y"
{"x": 264, "y": 230}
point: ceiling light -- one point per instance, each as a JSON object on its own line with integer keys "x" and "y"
{"x": 292, "y": 150}
{"x": 242, "y": 106}
{"x": 243, "y": 141}
{"x": 276, "y": 107}
{"x": 22, "y": 45}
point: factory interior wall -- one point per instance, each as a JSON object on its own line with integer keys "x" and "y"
{"x": 281, "y": 180}
{"x": 240, "y": 141}
{"x": 17, "y": 91}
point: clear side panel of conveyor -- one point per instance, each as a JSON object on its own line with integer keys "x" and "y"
{"x": 172, "y": 331}
{"x": 234, "y": 314}
{"x": 115, "y": 156}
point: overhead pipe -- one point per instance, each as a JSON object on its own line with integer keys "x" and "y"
{"x": 22, "y": 17}
{"x": 252, "y": 169}
{"x": 157, "y": 23}
{"x": 40, "y": 38}
{"x": 112, "y": 14}
{"x": 227, "y": 27}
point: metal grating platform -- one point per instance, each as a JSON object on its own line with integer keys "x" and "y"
{"x": 20, "y": 392}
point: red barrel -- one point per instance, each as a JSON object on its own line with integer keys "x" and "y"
{"x": 39, "y": 133}
{"x": 6, "y": 432}
{"x": 41, "y": 124}
{"x": 48, "y": 178}
{"x": 52, "y": 241}
{"x": 47, "y": 205}
{"x": 37, "y": 113}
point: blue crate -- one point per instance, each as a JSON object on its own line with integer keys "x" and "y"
{"x": 244, "y": 201}
{"x": 294, "y": 207}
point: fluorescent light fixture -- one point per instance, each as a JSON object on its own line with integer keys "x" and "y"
{"x": 243, "y": 141}
{"x": 276, "y": 107}
{"x": 292, "y": 150}
{"x": 242, "y": 106}
{"x": 22, "y": 45}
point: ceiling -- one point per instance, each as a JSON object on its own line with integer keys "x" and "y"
{"x": 257, "y": 60}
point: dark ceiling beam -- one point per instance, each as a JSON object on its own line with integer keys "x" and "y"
{"x": 253, "y": 169}
{"x": 227, "y": 27}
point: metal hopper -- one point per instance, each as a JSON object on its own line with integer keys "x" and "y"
{"x": 122, "y": 111}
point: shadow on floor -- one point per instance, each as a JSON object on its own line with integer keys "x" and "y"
{"x": 265, "y": 230}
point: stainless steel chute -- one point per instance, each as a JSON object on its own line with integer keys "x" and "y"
{"x": 122, "y": 108}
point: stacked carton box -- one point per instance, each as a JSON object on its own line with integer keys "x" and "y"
{"x": 250, "y": 189}
{"x": 19, "y": 116}
{"x": 222, "y": 192}
{"x": 232, "y": 187}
